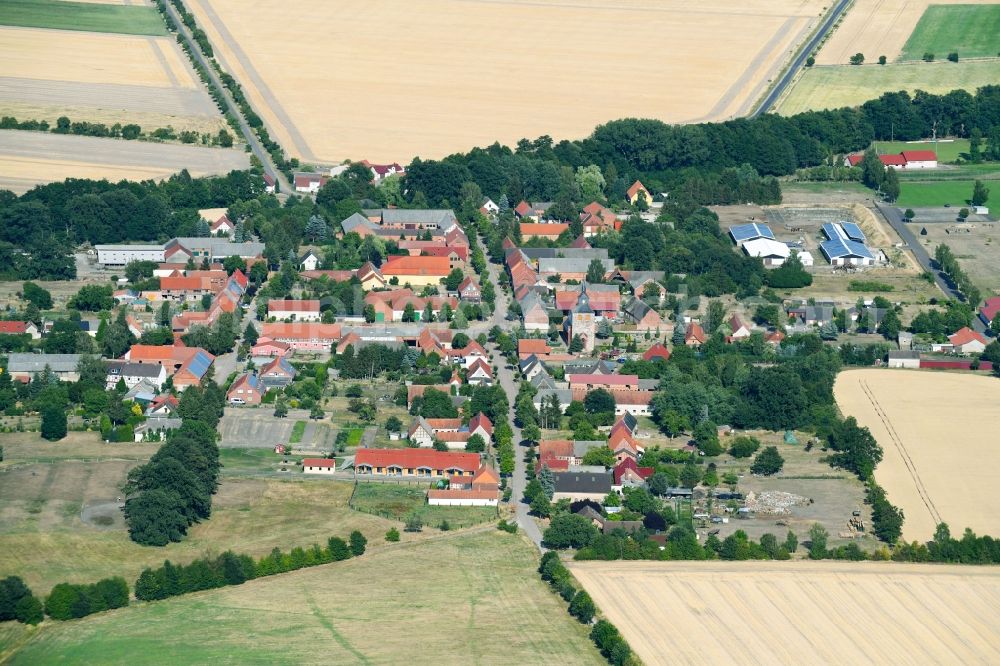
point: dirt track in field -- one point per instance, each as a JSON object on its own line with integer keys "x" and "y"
{"x": 799, "y": 612}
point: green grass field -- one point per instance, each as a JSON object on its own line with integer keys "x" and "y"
{"x": 969, "y": 30}
{"x": 297, "y": 431}
{"x": 947, "y": 151}
{"x": 403, "y": 500}
{"x": 832, "y": 87}
{"x": 935, "y": 193}
{"x": 85, "y": 16}
{"x": 460, "y": 598}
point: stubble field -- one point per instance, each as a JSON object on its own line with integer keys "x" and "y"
{"x": 882, "y": 27}
{"x": 388, "y": 80}
{"x": 799, "y": 612}
{"x": 458, "y": 598}
{"x": 31, "y": 158}
{"x": 936, "y": 430}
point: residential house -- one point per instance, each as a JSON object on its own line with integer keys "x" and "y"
{"x": 469, "y": 290}
{"x": 292, "y": 310}
{"x": 20, "y": 328}
{"x": 532, "y": 347}
{"x": 607, "y": 382}
{"x": 279, "y": 373}
{"x": 967, "y": 341}
{"x": 534, "y": 313}
{"x": 310, "y": 261}
{"x": 479, "y": 373}
{"x": 308, "y": 182}
{"x": 162, "y": 406}
{"x": 482, "y": 490}
{"x": 416, "y": 463}
{"x": 657, "y": 352}
{"x": 303, "y": 336}
{"x": 319, "y": 466}
{"x": 989, "y": 310}
{"x": 627, "y": 473}
{"x": 481, "y": 425}
{"x": 694, "y": 335}
{"x": 371, "y": 277}
{"x": 421, "y": 432}
{"x": 246, "y": 390}
{"x": 134, "y": 373}
{"x": 739, "y": 329}
{"x": 268, "y": 348}
{"x": 531, "y": 367}
{"x": 636, "y": 191}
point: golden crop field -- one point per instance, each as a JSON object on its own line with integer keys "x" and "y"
{"x": 387, "y": 80}
{"x": 799, "y": 612}
{"x": 941, "y": 452}
{"x": 878, "y": 27}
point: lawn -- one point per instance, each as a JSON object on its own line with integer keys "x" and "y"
{"x": 969, "y": 30}
{"x": 354, "y": 436}
{"x": 935, "y": 193}
{"x": 44, "y": 540}
{"x": 459, "y": 598}
{"x": 400, "y": 501}
{"x": 83, "y": 16}
{"x": 835, "y": 86}
{"x": 947, "y": 151}
{"x": 297, "y": 431}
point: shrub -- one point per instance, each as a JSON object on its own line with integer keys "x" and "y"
{"x": 582, "y": 607}
{"x": 338, "y": 549}
{"x": 928, "y": 57}
{"x": 953, "y": 56}
{"x": 744, "y": 446}
{"x": 392, "y": 535}
{"x": 358, "y": 543}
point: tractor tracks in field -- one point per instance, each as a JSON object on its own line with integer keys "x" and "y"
{"x": 904, "y": 454}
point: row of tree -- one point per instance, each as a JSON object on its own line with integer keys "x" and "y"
{"x": 170, "y": 580}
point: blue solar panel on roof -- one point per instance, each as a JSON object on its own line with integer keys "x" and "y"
{"x": 199, "y": 364}
{"x": 832, "y": 231}
{"x": 744, "y": 232}
{"x": 853, "y": 231}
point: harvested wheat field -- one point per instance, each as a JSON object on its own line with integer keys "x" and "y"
{"x": 33, "y": 158}
{"x": 387, "y": 80}
{"x": 879, "y": 27}
{"x": 941, "y": 449}
{"x": 799, "y": 612}
{"x": 153, "y": 87}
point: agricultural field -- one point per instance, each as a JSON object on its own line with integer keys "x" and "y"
{"x": 967, "y": 29}
{"x": 798, "y": 612}
{"x": 835, "y": 86}
{"x": 53, "y": 496}
{"x": 883, "y": 27}
{"x": 940, "y": 456}
{"x": 84, "y": 16}
{"x": 391, "y": 104}
{"x": 32, "y": 158}
{"x": 486, "y": 606}
{"x": 976, "y": 245}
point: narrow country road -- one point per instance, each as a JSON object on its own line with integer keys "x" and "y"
{"x": 248, "y": 134}
{"x": 895, "y": 219}
{"x": 789, "y": 74}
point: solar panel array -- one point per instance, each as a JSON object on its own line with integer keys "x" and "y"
{"x": 199, "y": 364}
{"x": 833, "y": 231}
{"x": 853, "y": 231}
{"x": 744, "y": 232}
{"x": 834, "y": 249}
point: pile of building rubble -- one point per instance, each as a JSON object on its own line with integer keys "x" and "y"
{"x": 773, "y": 502}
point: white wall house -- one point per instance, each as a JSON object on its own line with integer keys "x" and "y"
{"x": 120, "y": 255}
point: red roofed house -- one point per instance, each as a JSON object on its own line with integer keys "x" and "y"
{"x": 638, "y": 190}
{"x": 266, "y": 347}
{"x": 694, "y": 336}
{"x": 481, "y": 425}
{"x": 528, "y": 346}
{"x": 469, "y": 291}
{"x": 657, "y": 351}
{"x": 309, "y": 182}
{"x": 287, "y": 309}
{"x": 967, "y": 341}
{"x": 893, "y": 161}
{"x": 19, "y": 328}
{"x": 628, "y": 473}
{"x": 990, "y": 309}
{"x": 417, "y": 271}
{"x": 304, "y": 336}
{"x": 479, "y": 373}
{"x": 222, "y": 226}
{"x": 424, "y": 463}
{"x": 739, "y": 329}
{"x": 246, "y": 390}
{"x": 482, "y": 490}
{"x": 417, "y": 391}
{"x": 549, "y": 231}
{"x": 319, "y": 465}
{"x": 590, "y": 382}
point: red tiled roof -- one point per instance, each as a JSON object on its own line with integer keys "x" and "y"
{"x": 533, "y": 346}
{"x": 990, "y": 308}
{"x": 300, "y": 331}
{"x": 289, "y": 305}
{"x": 537, "y": 229}
{"x": 629, "y": 464}
{"x": 319, "y": 462}
{"x": 606, "y": 380}
{"x": 13, "y": 327}
{"x": 964, "y": 336}
{"x": 416, "y": 458}
{"x": 403, "y": 266}
{"x": 892, "y": 160}
{"x": 481, "y": 419}
{"x": 919, "y": 155}
{"x": 695, "y": 332}
{"x": 855, "y": 160}
{"x": 656, "y": 351}
{"x": 636, "y": 187}
{"x": 555, "y": 448}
